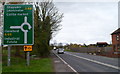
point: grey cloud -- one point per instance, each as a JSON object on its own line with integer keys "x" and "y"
{"x": 87, "y": 22}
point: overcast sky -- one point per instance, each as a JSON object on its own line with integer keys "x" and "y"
{"x": 87, "y": 22}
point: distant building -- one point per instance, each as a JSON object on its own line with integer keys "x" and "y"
{"x": 101, "y": 44}
{"x": 116, "y": 40}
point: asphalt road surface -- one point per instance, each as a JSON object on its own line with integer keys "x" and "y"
{"x": 82, "y": 62}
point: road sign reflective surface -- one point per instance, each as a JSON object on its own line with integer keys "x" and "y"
{"x": 18, "y": 25}
{"x": 28, "y": 48}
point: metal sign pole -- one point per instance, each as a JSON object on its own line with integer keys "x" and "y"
{"x": 28, "y": 58}
{"x": 8, "y": 64}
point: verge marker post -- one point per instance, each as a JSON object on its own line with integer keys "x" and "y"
{"x": 8, "y": 64}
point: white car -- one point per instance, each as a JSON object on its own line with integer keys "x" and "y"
{"x": 60, "y": 50}
{"x": 54, "y": 48}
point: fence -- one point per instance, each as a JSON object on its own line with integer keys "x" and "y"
{"x": 91, "y": 49}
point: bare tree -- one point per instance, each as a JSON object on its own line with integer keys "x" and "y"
{"x": 50, "y": 16}
{"x": 47, "y": 24}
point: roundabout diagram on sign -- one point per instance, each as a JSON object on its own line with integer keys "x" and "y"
{"x": 22, "y": 29}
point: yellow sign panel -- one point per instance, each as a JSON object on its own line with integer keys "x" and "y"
{"x": 28, "y": 48}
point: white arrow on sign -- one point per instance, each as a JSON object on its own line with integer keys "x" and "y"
{"x": 22, "y": 29}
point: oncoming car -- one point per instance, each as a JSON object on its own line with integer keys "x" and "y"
{"x": 60, "y": 51}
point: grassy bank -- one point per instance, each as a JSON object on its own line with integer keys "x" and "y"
{"x": 0, "y": 67}
{"x": 19, "y": 65}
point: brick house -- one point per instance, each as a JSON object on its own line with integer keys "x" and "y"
{"x": 116, "y": 40}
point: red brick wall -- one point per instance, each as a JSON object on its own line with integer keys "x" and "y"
{"x": 115, "y": 42}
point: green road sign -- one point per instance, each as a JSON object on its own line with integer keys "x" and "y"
{"x": 18, "y": 25}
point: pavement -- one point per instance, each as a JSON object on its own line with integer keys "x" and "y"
{"x": 59, "y": 65}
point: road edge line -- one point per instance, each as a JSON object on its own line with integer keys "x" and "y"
{"x": 66, "y": 64}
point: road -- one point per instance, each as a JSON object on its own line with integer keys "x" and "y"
{"x": 82, "y": 62}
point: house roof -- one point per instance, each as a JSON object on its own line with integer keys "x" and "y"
{"x": 116, "y": 31}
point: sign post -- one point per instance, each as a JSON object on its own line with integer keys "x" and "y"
{"x": 28, "y": 58}
{"x": 27, "y": 49}
{"x": 18, "y": 26}
{"x": 8, "y": 56}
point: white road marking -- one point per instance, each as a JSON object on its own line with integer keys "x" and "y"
{"x": 115, "y": 67}
{"x": 67, "y": 64}
{"x": 56, "y": 61}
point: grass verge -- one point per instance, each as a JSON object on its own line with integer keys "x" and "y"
{"x": 69, "y": 50}
{"x": 19, "y": 65}
{"x": 0, "y": 67}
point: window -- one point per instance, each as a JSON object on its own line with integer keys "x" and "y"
{"x": 117, "y": 37}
